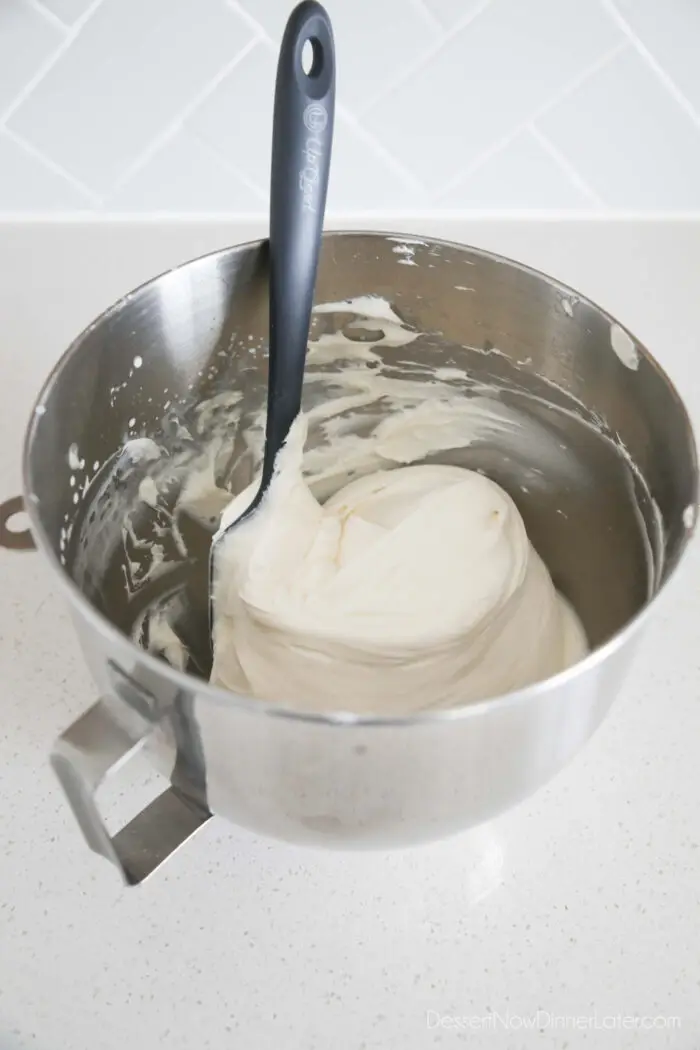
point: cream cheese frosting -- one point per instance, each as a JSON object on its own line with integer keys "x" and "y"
{"x": 409, "y": 589}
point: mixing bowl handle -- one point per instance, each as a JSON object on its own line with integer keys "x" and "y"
{"x": 96, "y": 744}
{"x": 14, "y": 539}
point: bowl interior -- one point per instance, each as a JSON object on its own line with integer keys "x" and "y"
{"x": 599, "y": 457}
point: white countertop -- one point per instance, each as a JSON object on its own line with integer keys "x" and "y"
{"x": 584, "y": 902}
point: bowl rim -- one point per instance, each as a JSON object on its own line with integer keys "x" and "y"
{"x": 189, "y": 685}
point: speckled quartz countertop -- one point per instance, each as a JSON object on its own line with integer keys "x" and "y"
{"x": 573, "y": 921}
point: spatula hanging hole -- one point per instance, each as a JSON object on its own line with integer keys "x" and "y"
{"x": 312, "y": 57}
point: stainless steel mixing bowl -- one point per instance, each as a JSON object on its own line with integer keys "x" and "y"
{"x": 611, "y": 524}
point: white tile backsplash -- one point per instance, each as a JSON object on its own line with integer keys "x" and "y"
{"x": 185, "y": 174}
{"x": 450, "y": 12}
{"x": 165, "y": 105}
{"x": 632, "y": 143}
{"x": 27, "y": 40}
{"x": 236, "y": 119}
{"x": 670, "y": 33}
{"x": 68, "y": 11}
{"x": 126, "y": 76}
{"x": 26, "y": 184}
{"x": 520, "y": 175}
{"x": 364, "y": 180}
{"x": 448, "y": 112}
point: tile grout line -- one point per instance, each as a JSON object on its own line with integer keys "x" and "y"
{"x": 34, "y": 81}
{"x": 408, "y": 71}
{"x": 47, "y": 14}
{"x": 176, "y": 123}
{"x": 410, "y": 180}
{"x": 504, "y": 140}
{"x": 253, "y": 23}
{"x": 565, "y": 165}
{"x": 431, "y": 19}
{"x": 661, "y": 74}
{"x": 231, "y": 168}
{"x": 52, "y": 166}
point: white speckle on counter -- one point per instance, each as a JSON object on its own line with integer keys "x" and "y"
{"x": 624, "y": 346}
{"x": 138, "y": 361}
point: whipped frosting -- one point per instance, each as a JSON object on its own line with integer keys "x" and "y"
{"x": 409, "y": 589}
{"x": 375, "y": 405}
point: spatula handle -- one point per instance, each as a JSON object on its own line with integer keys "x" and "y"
{"x": 301, "y": 151}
